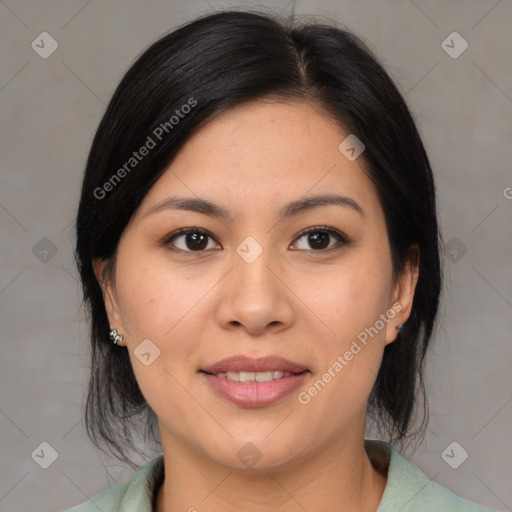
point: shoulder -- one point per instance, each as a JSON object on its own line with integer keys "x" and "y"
{"x": 107, "y": 501}
{"x": 137, "y": 494}
{"x": 408, "y": 489}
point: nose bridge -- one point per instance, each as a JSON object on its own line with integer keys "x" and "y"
{"x": 255, "y": 298}
{"x": 252, "y": 261}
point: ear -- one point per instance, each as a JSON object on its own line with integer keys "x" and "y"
{"x": 403, "y": 293}
{"x": 109, "y": 296}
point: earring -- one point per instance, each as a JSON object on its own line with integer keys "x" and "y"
{"x": 400, "y": 328}
{"x": 115, "y": 337}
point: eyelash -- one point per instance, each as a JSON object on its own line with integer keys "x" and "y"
{"x": 338, "y": 235}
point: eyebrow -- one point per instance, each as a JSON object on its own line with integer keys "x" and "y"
{"x": 211, "y": 209}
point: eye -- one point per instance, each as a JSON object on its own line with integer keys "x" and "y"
{"x": 320, "y": 238}
{"x": 190, "y": 240}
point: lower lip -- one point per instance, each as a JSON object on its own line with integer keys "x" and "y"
{"x": 255, "y": 394}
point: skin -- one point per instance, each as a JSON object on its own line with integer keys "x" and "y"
{"x": 301, "y": 303}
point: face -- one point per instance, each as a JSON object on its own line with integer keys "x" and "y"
{"x": 296, "y": 302}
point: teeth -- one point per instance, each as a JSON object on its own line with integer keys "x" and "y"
{"x": 264, "y": 376}
{"x": 246, "y": 376}
{"x": 253, "y": 376}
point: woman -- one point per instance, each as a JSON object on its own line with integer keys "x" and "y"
{"x": 258, "y": 245}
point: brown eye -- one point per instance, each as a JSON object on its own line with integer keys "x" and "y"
{"x": 190, "y": 240}
{"x": 319, "y": 239}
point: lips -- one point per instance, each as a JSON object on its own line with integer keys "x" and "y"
{"x": 246, "y": 382}
{"x": 246, "y": 364}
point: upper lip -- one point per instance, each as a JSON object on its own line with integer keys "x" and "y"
{"x": 242, "y": 363}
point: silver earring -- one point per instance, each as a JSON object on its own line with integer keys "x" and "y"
{"x": 115, "y": 337}
{"x": 400, "y": 328}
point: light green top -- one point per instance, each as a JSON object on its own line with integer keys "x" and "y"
{"x": 408, "y": 489}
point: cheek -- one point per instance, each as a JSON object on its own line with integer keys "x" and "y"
{"x": 158, "y": 303}
{"x": 147, "y": 292}
{"x": 349, "y": 299}
{"x": 352, "y": 347}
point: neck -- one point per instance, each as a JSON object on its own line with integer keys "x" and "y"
{"x": 341, "y": 477}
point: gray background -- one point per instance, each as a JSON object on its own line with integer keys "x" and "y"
{"x": 50, "y": 109}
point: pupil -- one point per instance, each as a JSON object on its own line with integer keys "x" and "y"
{"x": 198, "y": 241}
{"x": 319, "y": 240}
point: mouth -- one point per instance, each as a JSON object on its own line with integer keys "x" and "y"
{"x": 254, "y": 382}
{"x": 254, "y": 376}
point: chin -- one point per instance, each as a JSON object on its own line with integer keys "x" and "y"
{"x": 259, "y": 454}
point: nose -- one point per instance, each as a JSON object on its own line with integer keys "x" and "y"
{"x": 255, "y": 297}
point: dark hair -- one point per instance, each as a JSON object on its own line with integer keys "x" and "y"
{"x": 214, "y": 63}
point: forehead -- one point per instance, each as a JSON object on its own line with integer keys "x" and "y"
{"x": 264, "y": 153}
